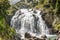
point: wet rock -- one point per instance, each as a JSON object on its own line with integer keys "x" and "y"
{"x": 43, "y": 37}
{"x": 34, "y": 37}
{"x": 37, "y": 39}
{"x": 16, "y": 37}
{"x": 27, "y": 35}
{"x": 29, "y": 1}
{"x": 34, "y": 10}
{"x": 52, "y": 1}
{"x": 58, "y": 36}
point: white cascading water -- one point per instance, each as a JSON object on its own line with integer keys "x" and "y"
{"x": 29, "y": 21}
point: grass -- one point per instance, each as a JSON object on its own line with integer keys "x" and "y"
{"x": 40, "y": 5}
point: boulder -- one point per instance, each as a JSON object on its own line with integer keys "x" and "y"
{"x": 43, "y": 37}
{"x": 27, "y": 35}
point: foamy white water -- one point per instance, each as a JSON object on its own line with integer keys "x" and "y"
{"x": 13, "y": 1}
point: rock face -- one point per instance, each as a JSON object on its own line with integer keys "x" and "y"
{"x": 48, "y": 17}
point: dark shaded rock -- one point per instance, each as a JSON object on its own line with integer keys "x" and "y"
{"x": 43, "y": 15}
{"x": 53, "y": 2}
{"x": 58, "y": 36}
{"x": 35, "y": 3}
{"x": 47, "y": 6}
{"x": 43, "y": 36}
{"x": 8, "y": 19}
{"x": 27, "y": 35}
{"x": 34, "y": 37}
{"x": 34, "y": 11}
{"x": 58, "y": 1}
{"x": 48, "y": 17}
{"x": 16, "y": 37}
{"x": 29, "y": 1}
{"x": 37, "y": 39}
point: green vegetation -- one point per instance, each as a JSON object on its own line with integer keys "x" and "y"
{"x": 57, "y": 26}
{"x": 6, "y": 32}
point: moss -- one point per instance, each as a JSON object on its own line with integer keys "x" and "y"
{"x": 5, "y": 30}
{"x": 57, "y": 26}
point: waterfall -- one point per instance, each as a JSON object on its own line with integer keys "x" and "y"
{"x": 12, "y": 2}
{"x": 26, "y": 20}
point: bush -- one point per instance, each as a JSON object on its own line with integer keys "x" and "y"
{"x": 6, "y": 32}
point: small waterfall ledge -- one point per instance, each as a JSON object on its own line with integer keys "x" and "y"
{"x": 28, "y": 21}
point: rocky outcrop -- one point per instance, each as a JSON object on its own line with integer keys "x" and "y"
{"x": 48, "y": 18}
